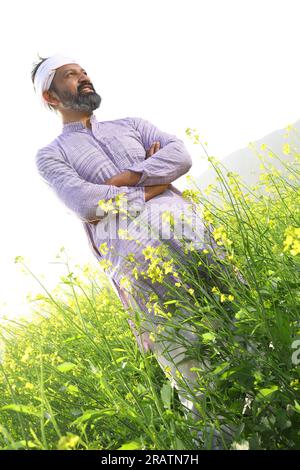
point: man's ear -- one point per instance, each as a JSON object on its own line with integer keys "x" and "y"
{"x": 48, "y": 96}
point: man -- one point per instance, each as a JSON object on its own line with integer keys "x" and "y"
{"x": 92, "y": 161}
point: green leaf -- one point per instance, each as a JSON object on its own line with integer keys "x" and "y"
{"x": 132, "y": 445}
{"x": 29, "y": 410}
{"x": 20, "y": 445}
{"x": 265, "y": 392}
{"x": 242, "y": 313}
{"x": 296, "y": 407}
{"x": 208, "y": 337}
{"x": 73, "y": 389}
{"x": 228, "y": 373}
{"x": 166, "y": 393}
{"x": 120, "y": 359}
{"x": 73, "y": 338}
{"x": 92, "y": 414}
{"x": 86, "y": 416}
{"x": 66, "y": 366}
{"x": 221, "y": 367}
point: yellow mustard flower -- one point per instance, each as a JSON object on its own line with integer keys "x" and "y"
{"x": 103, "y": 248}
{"x": 191, "y": 195}
{"x": 207, "y": 216}
{"x": 29, "y": 386}
{"x": 292, "y": 240}
{"x": 152, "y": 336}
{"x": 148, "y": 252}
{"x": 105, "y": 264}
{"x": 215, "y": 290}
{"x": 135, "y": 273}
{"x": 155, "y": 273}
{"x": 130, "y": 257}
{"x": 168, "y": 267}
{"x": 68, "y": 442}
{"x": 220, "y": 236}
{"x": 125, "y": 283}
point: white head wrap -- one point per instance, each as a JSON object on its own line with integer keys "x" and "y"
{"x": 45, "y": 74}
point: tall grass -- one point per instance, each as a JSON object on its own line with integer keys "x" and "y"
{"x": 75, "y": 378}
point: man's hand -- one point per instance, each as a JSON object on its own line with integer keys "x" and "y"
{"x": 152, "y": 191}
{"x": 131, "y": 178}
{"x": 154, "y": 148}
{"x": 126, "y": 178}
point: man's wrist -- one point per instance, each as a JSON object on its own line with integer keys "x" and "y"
{"x": 126, "y": 178}
{"x": 134, "y": 177}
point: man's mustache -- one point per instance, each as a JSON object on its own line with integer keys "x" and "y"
{"x": 86, "y": 85}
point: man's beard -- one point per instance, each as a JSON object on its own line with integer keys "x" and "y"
{"x": 87, "y": 101}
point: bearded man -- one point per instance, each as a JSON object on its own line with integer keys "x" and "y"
{"x": 92, "y": 161}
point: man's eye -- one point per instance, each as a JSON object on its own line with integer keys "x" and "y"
{"x": 72, "y": 73}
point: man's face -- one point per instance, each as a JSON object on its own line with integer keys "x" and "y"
{"x": 73, "y": 88}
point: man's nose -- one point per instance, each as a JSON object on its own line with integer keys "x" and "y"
{"x": 84, "y": 78}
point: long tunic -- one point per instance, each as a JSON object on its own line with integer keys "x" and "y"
{"x": 76, "y": 165}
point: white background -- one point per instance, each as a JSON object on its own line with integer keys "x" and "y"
{"x": 229, "y": 68}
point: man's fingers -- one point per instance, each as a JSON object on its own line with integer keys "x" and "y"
{"x": 150, "y": 151}
{"x": 154, "y": 148}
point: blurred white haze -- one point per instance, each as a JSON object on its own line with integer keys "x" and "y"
{"x": 230, "y": 69}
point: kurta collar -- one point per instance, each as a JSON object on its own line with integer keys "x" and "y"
{"x": 77, "y": 125}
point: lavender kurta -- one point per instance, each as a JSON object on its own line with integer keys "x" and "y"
{"x": 77, "y": 163}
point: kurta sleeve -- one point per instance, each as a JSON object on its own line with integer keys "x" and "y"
{"x": 78, "y": 195}
{"x": 168, "y": 163}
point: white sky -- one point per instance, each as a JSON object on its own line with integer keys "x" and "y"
{"x": 228, "y": 68}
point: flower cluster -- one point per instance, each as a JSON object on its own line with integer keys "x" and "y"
{"x": 159, "y": 266}
{"x": 220, "y": 236}
{"x": 292, "y": 240}
{"x": 191, "y": 195}
{"x": 114, "y": 205}
{"x": 223, "y": 297}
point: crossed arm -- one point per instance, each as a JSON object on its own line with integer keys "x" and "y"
{"x": 131, "y": 178}
{"x": 154, "y": 174}
{"x": 140, "y": 182}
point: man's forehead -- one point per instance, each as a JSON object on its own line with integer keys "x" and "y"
{"x": 66, "y": 67}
